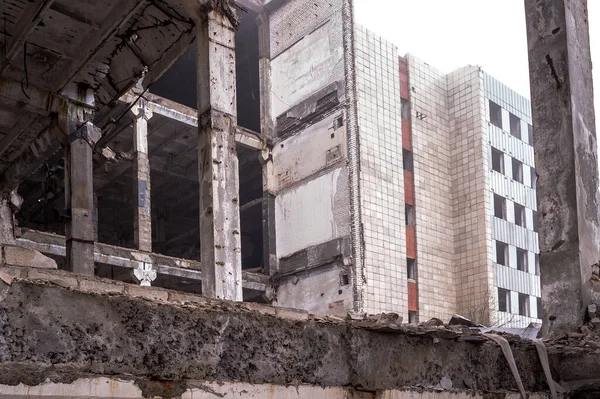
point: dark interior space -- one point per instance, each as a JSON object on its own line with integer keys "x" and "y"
{"x": 179, "y": 83}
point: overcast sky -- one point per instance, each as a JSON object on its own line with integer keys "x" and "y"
{"x": 449, "y": 34}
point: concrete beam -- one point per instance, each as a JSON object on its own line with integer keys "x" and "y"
{"x": 566, "y": 159}
{"x": 220, "y": 238}
{"x": 141, "y": 173}
{"x": 189, "y": 116}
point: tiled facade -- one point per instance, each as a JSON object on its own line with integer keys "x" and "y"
{"x": 449, "y": 136}
{"x": 381, "y": 177}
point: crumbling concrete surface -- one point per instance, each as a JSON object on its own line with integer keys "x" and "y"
{"x": 59, "y": 326}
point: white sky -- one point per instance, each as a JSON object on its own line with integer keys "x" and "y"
{"x": 449, "y": 34}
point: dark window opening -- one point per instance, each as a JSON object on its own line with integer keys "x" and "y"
{"x": 520, "y": 219}
{"x": 501, "y": 253}
{"x": 345, "y": 279}
{"x": 499, "y": 207}
{"x": 497, "y": 160}
{"x": 407, "y": 160}
{"x": 530, "y": 134}
{"x": 521, "y": 260}
{"x": 503, "y": 300}
{"x": 524, "y": 305}
{"x": 409, "y": 213}
{"x": 411, "y": 272}
{"x": 535, "y": 221}
{"x": 495, "y": 114}
{"x": 537, "y": 264}
{"x": 517, "y": 170}
{"x": 540, "y": 312}
{"x": 515, "y": 126}
{"x": 533, "y": 177}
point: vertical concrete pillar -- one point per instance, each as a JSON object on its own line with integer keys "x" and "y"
{"x": 220, "y": 240}
{"x": 95, "y": 217}
{"x": 78, "y": 135}
{"x": 10, "y": 203}
{"x": 142, "y": 229}
{"x": 270, "y": 260}
{"x": 566, "y": 158}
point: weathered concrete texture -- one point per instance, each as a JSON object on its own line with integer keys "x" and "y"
{"x": 119, "y": 388}
{"x": 565, "y": 157}
{"x": 19, "y": 256}
{"x": 9, "y": 204}
{"x": 99, "y": 327}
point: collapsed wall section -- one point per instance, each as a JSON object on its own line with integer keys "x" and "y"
{"x": 381, "y": 178}
{"x": 432, "y": 142}
{"x": 309, "y": 156}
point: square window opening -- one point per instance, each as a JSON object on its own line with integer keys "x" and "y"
{"x": 503, "y": 300}
{"x": 515, "y": 126}
{"x": 497, "y": 160}
{"x": 495, "y": 114}
{"x": 520, "y": 219}
{"x": 499, "y": 207}
{"x": 411, "y": 271}
{"x": 501, "y": 253}
{"x": 517, "y": 170}
{"x": 409, "y": 214}
{"x": 524, "y": 305}
{"x": 521, "y": 260}
{"x": 407, "y": 160}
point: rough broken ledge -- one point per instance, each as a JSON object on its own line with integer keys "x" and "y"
{"x": 60, "y": 326}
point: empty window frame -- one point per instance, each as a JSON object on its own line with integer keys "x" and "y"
{"x": 520, "y": 218}
{"x": 405, "y": 109}
{"x": 495, "y": 114}
{"x": 530, "y": 133}
{"x": 539, "y": 308}
{"x": 497, "y": 160}
{"x": 517, "y": 170}
{"x": 503, "y": 300}
{"x": 407, "y": 160}
{"x": 501, "y": 253}
{"x": 409, "y": 214}
{"x": 521, "y": 260}
{"x": 411, "y": 272}
{"x": 534, "y": 221}
{"x": 413, "y": 317}
{"x": 515, "y": 126}
{"x": 537, "y": 265}
{"x": 524, "y": 305}
{"x": 499, "y": 207}
{"x": 533, "y": 177}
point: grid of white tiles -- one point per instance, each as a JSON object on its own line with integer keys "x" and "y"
{"x": 514, "y": 192}
{"x": 433, "y": 191}
{"x": 471, "y": 216}
{"x": 381, "y": 178}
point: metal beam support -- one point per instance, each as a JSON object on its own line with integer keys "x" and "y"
{"x": 141, "y": 174}
{"x": 78, "y": 135}
{"x": 220, "y": 239}
{"x": 566, "y": 159}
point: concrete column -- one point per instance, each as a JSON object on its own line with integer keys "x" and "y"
{"x": 141, "y": 171}
{"x": 10, "y": 203}
{"x": 79, "y": 136}
{"x": 220, "y": 240}
{"x": 566, "y": 159}
{"x": 270, "y": 259}
{"x": 264, "y": 70}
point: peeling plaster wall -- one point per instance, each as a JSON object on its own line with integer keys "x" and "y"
{"x": 313, "y": 213}
{"x": 320, "y": 291}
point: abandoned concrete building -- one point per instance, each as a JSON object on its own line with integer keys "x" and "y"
{"x": 233, "y": 188}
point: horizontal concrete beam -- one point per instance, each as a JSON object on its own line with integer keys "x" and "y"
{"x": 189, "y": 116}
{"x": 69, "y": 326}
{"x": 52, "y": 244}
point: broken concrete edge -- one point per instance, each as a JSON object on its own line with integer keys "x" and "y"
{"x": 14, "y": 255}
{"x": 129, "y": 387}
{"x": 101, "y": 286}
